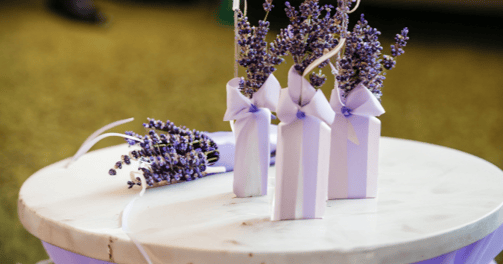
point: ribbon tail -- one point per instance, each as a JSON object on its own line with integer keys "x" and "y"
{"x": 231, "y": 123}
{"x": 263, "y": 119}
{"x": 126, "y": 214}
{"x": 246, "y": 158}
{"x": 352, "y": 133}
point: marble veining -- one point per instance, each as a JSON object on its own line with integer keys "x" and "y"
{"x": 431, "y": 200}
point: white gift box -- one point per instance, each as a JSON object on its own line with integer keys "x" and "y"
{"x": 354, "y": 150}
{"x": 302, "y": 155}
{"x": 251, "y": 130}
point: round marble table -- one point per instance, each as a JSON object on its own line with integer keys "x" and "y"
{"x": 432, "y": 200}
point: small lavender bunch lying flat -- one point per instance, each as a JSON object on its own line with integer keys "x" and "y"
{"x": 254, "y": 55}
{"x": 312, "y": 32}
{"x": 363, "y": 61}
{"x": 178, "y": 155}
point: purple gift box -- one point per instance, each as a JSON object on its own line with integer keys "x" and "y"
{"x": 251, "y": 130}
{"x": 354, "y": 150}
{"x": 303, "y": 151}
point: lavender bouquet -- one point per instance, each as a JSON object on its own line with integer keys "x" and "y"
{"x": 312, "y": 32}
{"x": 178, "y": 154}
{"x": 250, "y": 101}
{"x": 254, "y": 55}
{"x": 363, "y": 63}
{"x": 303, "y": 153}
{"x": 360, "y": 71}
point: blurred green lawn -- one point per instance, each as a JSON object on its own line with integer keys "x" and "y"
{"x": 61, "y": 80}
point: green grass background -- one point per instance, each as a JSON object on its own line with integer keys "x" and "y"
{"x": 60, "y": 80}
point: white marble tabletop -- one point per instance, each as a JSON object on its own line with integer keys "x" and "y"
{"x": 431, "y": 200}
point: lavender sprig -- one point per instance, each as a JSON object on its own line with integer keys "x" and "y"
{"x": 363, "y": 62}
{"x": 341, "y": 16}
{"x": 312, "y": 32}
{"x": 397, "y": 48}
{"x": 254, "y": 56}
{"x": 178, "y": 155}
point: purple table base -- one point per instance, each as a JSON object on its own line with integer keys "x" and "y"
{"x": 61, "y": 256}
{"x": 482, "y": 251}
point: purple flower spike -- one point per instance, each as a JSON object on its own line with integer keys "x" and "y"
{"x": 312, "y": 32}
{"x": 255, "y": 56}
{"x": 268, "y": 5}
{"x": 363, "y": 61}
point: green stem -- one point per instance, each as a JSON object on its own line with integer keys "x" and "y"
{"x": 266, "y": 14}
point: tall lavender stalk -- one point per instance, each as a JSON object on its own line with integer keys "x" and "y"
{"x": 254, "y": 55}
{"x": 362, "y": 61}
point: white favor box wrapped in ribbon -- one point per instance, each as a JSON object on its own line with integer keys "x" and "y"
{"x": 354, "y": 150}
{"x": 302, "y": 154}
{"x": 251, "y": 130}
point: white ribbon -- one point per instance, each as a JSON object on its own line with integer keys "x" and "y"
{"x": 356, "y": 7}
{"x": 314, "y": 102}
{"x": 97, "y": 136}
{"x": 88, "y": 144}
{"x": 325, "y": 57}
{"x": 127, "y": 211}
{"x": 251, "y": 130}
{"x": 302, "y": 171}
{"x": 235, "y": 5}
{"x": 360, "y": 101}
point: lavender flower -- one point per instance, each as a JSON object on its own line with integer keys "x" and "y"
{"x": 312, "y": 32}
{"x": 254, "y": 55}
{"x": 341, "y": 16}
{"x": 388, "y": 62}
{"x": 178, "y": 155}
{"x": 267, "y": 7}
{"x": 363, "y": 62}
{"x": 401, "y": 41}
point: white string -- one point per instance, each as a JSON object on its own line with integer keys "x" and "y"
{"x": 235, "y": 8}
{"x": 325, "y": 57}
{"x": 216, "y": 169}
{"x": 125, "y": 229}
{"x": 232, "y": 126}
{"x": 95, "y": 138}
{"x": 88, "y": 145}
{"x": 236, "y": 48}
{"x": 235, "y": 5}
{"x": 356, "y": 7}
{"x": 107, "y": 127}
{"x": 142, "y": 179}
{"x": 94, "y": 135}
{"x": 318, "y": 61}
{"x": 127, "y": 210}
